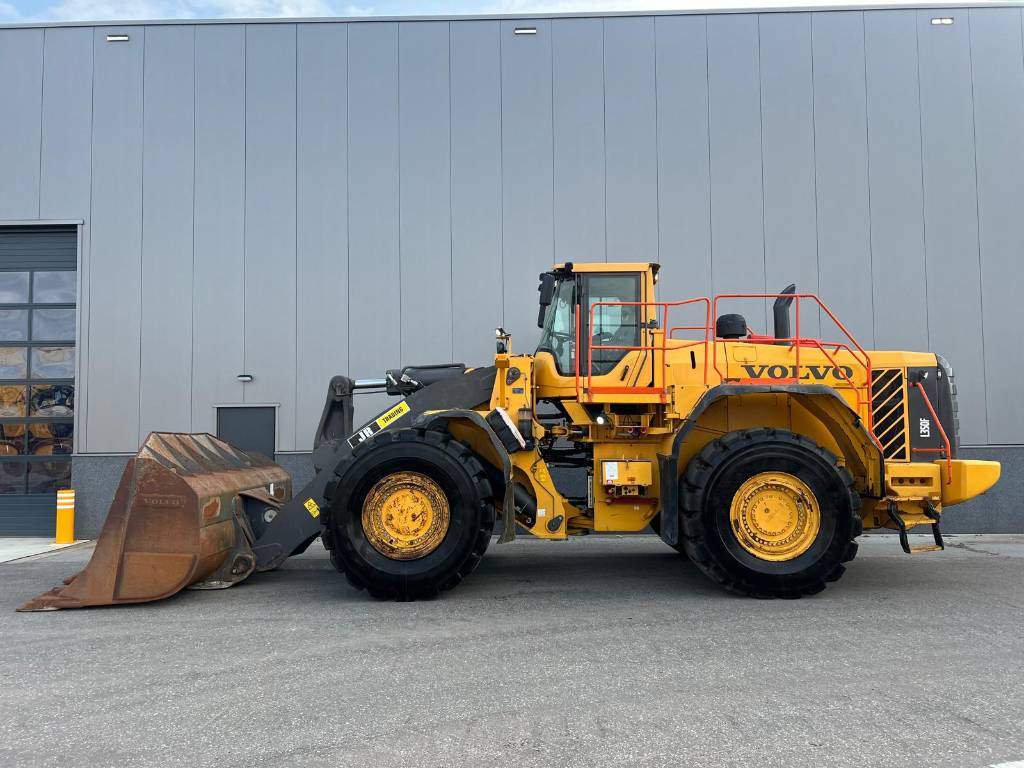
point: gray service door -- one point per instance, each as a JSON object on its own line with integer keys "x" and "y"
{"x": 251, "y": 428}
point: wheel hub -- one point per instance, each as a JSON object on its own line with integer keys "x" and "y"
{"x": 775, "y": 516}
{"x": 405, "y": 515}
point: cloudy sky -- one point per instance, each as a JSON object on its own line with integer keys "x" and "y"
{"x": 102, "y": 10}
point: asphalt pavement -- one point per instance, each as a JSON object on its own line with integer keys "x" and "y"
{"x": 607, "y": 651}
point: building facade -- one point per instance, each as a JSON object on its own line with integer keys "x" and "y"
{"x": 288, "y": 201}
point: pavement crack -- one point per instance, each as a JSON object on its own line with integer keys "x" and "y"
{"x": 970, "y": 548}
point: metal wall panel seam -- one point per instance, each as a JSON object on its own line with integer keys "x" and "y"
{"x": 84, "y": 333}
{"x": 760, "y": 114}
{"x": 924, "y": 218}
{"x": 867, "y": 148}
{"x": 42, "y": 112}
{"x": 397, "y": 223}
{"x": 551, "y": 101}
{"x": 295, "y": 254}
{"x": 657, "y": 162}
{"x": 142, "y": 230}
{"x": 501, "y": 171}
{"x": 604, "y": 121}
{"x": 195, "y": 154}
{"x": 977, "y": 214}
{"x": 398, "y": 150}
{"x": 348, "y": 199}
{"x": 657, "y": 151}
{"x": 814, "y": 154}
{"x": 245, "y": 188}
{"x": 77, "y": 418}
{"x": 711, "y": 201}
{"x": 451, "y": 213}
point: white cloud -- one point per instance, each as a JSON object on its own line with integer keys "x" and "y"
{"x": 110, "y": 10}
{"x": 252, "y": 9}
{"x": 626, "y": 6}
{"x": 8, "y": 12}
{"x": 571, "y": 6}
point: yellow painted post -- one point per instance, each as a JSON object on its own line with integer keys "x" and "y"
{"x": 66, "y": 516}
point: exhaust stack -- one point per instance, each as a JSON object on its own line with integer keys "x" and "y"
{"x": 780, "y": 311}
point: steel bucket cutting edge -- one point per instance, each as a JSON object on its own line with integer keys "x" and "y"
{"x": 176, "y": 521}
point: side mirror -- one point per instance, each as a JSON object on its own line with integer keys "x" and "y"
{"x": 547, "y": 293}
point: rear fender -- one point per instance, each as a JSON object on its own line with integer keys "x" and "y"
{"x": 823, "y": 404}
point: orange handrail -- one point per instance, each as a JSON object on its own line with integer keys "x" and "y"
{"x": 797, "y": 341}
{"x": 664, "y": 307}
{"x": 855, "y": 350}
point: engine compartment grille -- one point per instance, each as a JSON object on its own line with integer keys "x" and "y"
{"x": 889, "y": 412}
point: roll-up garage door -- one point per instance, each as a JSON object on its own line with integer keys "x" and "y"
{"x": 38, "y": 295}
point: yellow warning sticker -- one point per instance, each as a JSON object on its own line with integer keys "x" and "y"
{"x": 312, "y": 507}
{"x": 393, "y": 415}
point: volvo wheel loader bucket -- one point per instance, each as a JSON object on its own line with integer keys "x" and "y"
{"x": 176, "y": 521}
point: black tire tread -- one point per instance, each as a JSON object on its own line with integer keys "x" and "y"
{"x": 341, "y": 549}
{"x": 693, "y": 485}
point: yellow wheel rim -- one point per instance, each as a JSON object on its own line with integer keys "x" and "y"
{"x": 775, "y": 516}
{"x": 405, "y": 516}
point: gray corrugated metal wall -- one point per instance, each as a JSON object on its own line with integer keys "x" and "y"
{"x": 295, "y": 200}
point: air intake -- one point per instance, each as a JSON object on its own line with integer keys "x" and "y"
{"x": 889, "y": 412}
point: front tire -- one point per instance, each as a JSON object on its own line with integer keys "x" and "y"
{"x": 411, "y": 515}
{"x": 769, "y": 513}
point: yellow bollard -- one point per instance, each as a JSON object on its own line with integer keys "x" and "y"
{"x": 66, "y": 516}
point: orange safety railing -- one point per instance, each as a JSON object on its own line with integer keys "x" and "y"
{"x": 796, "y": 342}
{"x": 656, "y": 389}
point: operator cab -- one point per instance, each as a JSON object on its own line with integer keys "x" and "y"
{"x": 613, "y": 297}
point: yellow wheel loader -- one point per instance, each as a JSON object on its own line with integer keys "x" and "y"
{"x": 760, "y": 457}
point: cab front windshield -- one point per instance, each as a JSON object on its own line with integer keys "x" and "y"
{"x": 615, "y": 325}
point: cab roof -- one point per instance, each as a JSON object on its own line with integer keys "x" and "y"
{"x": 607, "y": 266}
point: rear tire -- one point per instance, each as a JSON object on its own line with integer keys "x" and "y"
{"x": 714, "y": 484}
{"x": 451, "y": 468}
